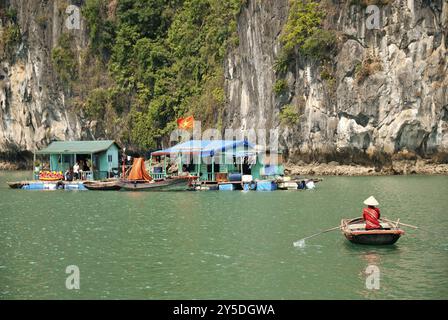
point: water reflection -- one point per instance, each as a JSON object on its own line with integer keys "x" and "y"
{"x": 372, "y": 258}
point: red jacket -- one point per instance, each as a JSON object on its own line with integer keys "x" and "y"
{"x": 371, "y": 216}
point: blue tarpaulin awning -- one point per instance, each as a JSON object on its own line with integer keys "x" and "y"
{"x": 208, "y": 148}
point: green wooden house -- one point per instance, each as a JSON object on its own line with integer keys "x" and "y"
{"x": 97, "y": 159}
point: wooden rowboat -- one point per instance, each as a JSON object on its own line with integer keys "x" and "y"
{"x": 354, "y": 230}
{"x": 17, "y": 184}
{"x": 168, "y": 184}
{"x": 102, "y": 185}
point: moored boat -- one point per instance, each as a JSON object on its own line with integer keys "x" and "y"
{"x": 17, "y": 184}
{"x": 168, "y": 184}
{"x": 139, "y": 179}
{"x": 102, "y": 185}
{"x": 354, "y": 230}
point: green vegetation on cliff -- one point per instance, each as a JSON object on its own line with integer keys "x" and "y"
{"x": 150, "y": 62}
{"x": 166, "y": 55}
{"x": 304, "y": 36}
{"x": 11, "y": 35}
{"x": 303, "y": 33}
{"x": 64, "y": 59}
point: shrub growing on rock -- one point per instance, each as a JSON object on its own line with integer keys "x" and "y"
{"x": 280, "y": 86}
{"x": 369, "y": 66}
{"x": 289, "y": 115}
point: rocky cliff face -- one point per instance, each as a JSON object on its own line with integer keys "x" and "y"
{"x": 385, "y": 91}
{"x": 33, "y": 104}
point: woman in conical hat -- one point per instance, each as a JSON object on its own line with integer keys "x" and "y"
{"x": 371, "y": 214}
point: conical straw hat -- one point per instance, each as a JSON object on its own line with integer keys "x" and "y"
{"x": 371, "y": 201}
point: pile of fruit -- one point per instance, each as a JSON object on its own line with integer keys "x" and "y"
{"x": 51, "y": 175}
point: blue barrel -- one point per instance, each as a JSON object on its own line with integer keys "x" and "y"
{"x": 235, "y": 176}
{"x": 226, "y": 187}
{"x": 266, "y": 186}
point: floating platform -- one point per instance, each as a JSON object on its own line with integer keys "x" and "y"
{"x": 47, "y": 185}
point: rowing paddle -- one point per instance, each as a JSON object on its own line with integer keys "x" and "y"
{"x": 301, "y": 243}
{"x": 404, "y": 224}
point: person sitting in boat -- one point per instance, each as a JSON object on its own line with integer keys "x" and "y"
{"x": 371, "y": 214}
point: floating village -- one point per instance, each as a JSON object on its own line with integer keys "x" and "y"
{"x": 194, "y": 165}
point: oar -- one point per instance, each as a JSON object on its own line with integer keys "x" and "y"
{"x": 301, "y": 242}
{"x": 404, "y": 224}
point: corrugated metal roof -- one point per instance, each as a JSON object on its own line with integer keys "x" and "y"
{"x": 206, "y": 147}
{"x": 80, "y": 147}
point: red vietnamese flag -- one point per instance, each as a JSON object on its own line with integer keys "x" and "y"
{"x": 185, "y": 123}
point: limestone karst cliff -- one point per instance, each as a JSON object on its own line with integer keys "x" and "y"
{"x": 33, "y": 108}
{"x": 402, "y": 104}
{"x": 383, "y": 91}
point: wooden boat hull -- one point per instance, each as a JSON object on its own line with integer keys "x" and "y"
{"x": 17, "y": 184}
{"x": 381, "y": 239}
{"x": 102, "y": 185}
{"x": 355, "y": 232}
{"x": 172, "y": 184}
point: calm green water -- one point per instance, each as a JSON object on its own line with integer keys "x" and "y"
{"x": 220, "y": 245}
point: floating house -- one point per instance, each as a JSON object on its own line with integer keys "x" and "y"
{"x": 101, "y": 155}
{"x": 215, "y": 161}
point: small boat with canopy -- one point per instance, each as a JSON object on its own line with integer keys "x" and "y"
{"x": 139, "y": 179}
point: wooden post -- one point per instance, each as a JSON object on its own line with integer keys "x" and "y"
{"x": 150, "y": 164}
{"x": 34, "y": 163}
{"x": 213, "y": 168}
{"x": 123, "y": 159}
{"x": 199, "y": 166}
{"x": 164, "y": 166}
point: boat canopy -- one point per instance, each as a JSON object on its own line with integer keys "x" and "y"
{"x": 138, "y": 171}
{"x": 208, "y": 148}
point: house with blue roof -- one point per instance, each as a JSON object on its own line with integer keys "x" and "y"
{"x": 215, "y": 160}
